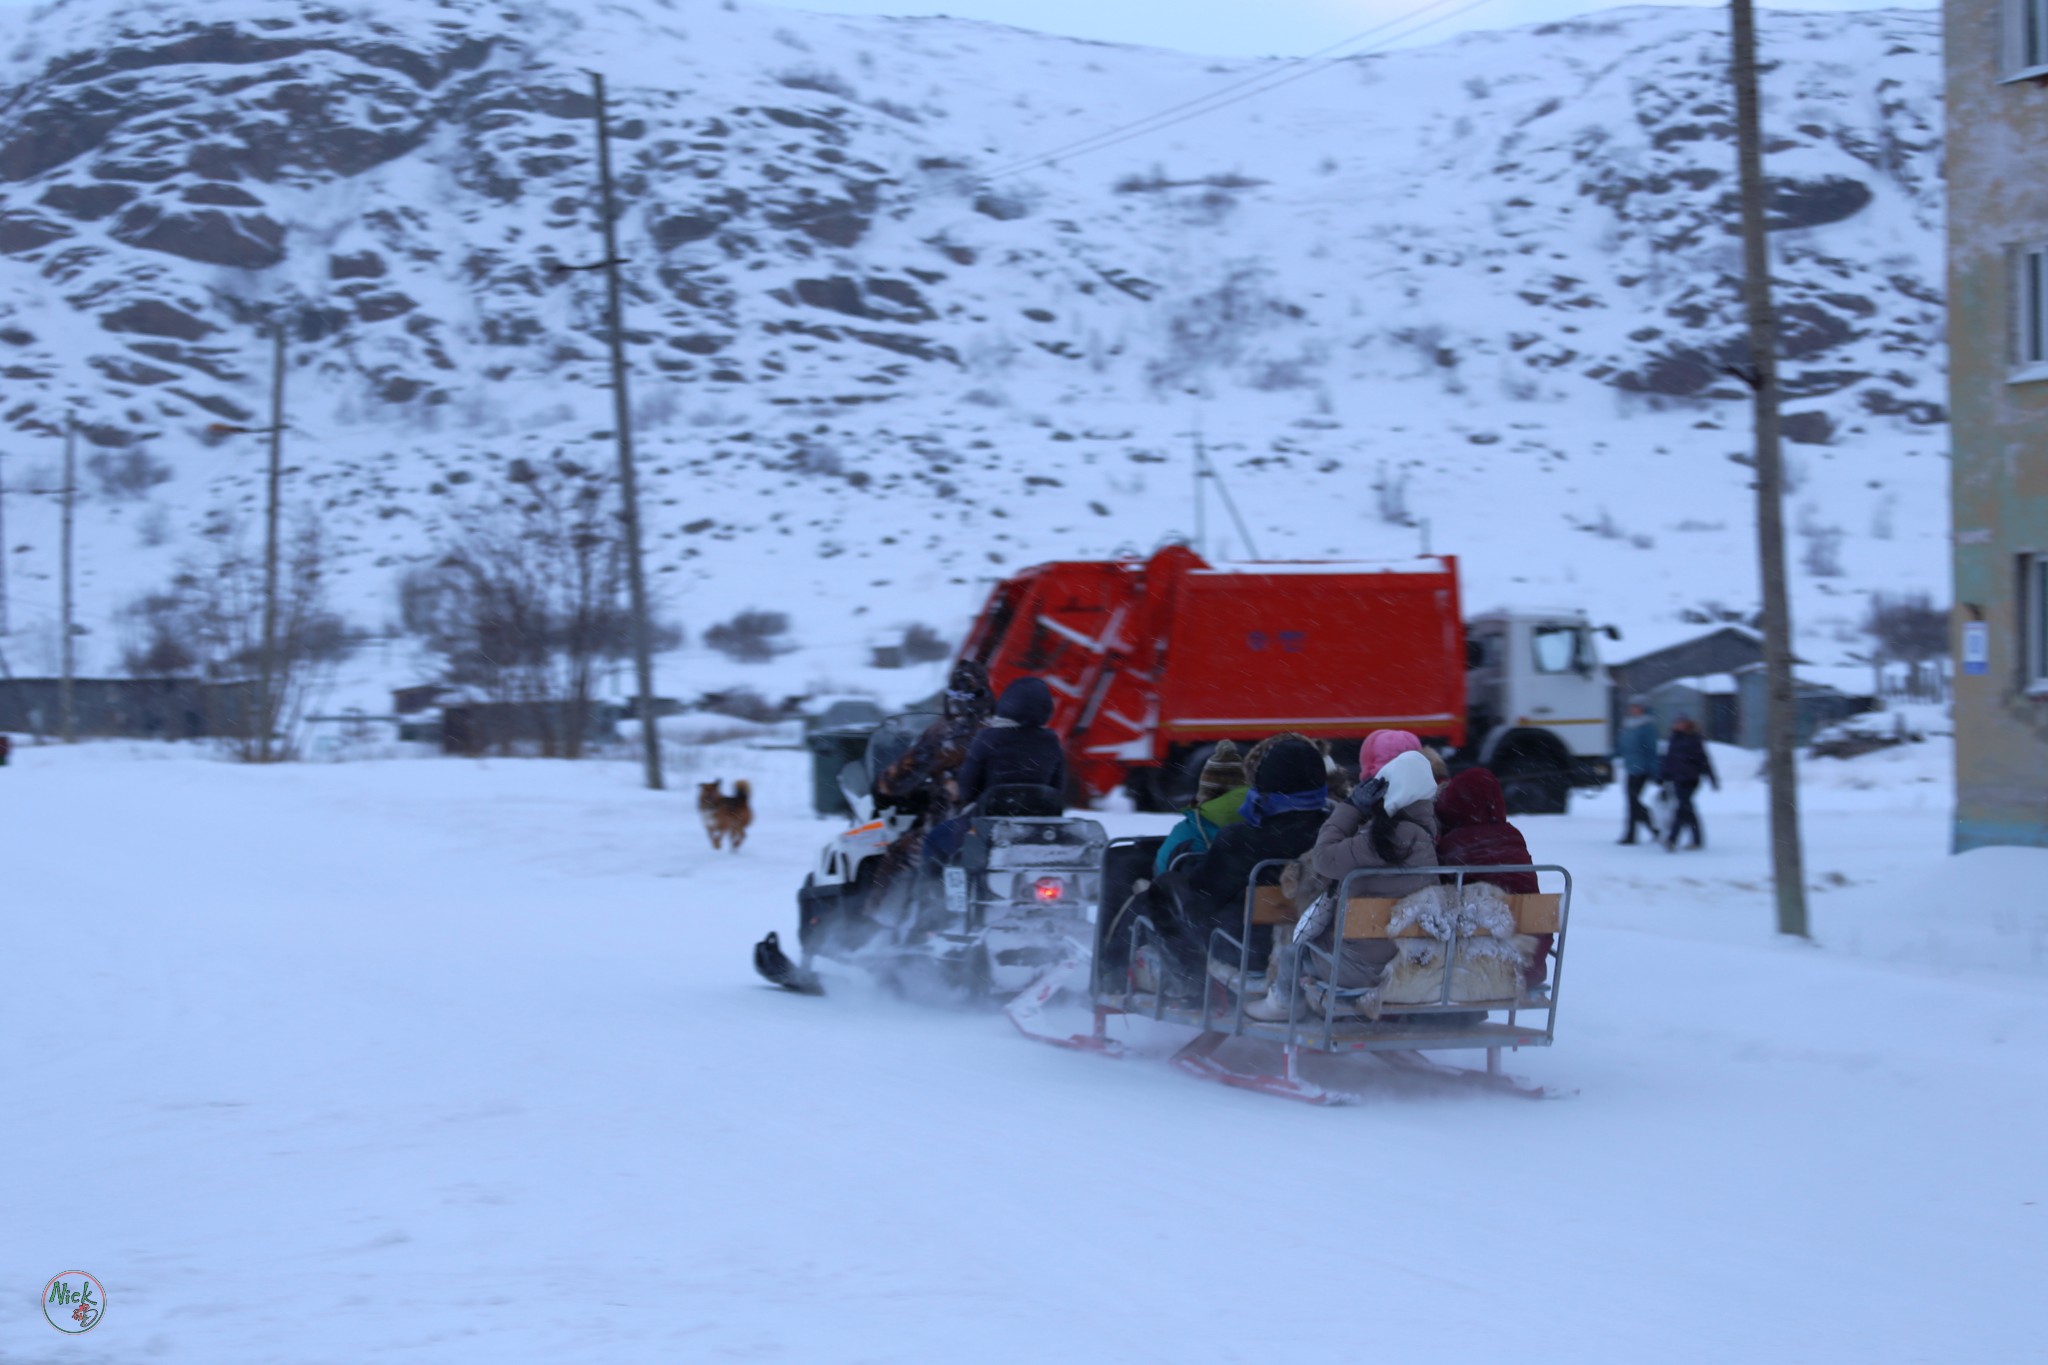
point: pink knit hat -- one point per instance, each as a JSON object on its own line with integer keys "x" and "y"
{"x": 1382, "y": 745}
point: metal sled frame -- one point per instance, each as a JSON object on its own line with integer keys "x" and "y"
{"x": 1400, "y": 1043}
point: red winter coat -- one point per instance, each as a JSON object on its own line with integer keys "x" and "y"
{"x": 1473, "y": 831}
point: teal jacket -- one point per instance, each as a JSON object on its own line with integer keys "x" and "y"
{"x": 1638, "y": 748}
{"x": 1199, "y": 827}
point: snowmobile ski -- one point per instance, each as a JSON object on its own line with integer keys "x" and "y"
{"x": 774, "y": 964}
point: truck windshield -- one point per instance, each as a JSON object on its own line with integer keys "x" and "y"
{"x": 1562, "y": 649}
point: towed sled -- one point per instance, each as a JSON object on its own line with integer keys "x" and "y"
{"x": 1457, "y": 984}
{"x": 1014, "y": 902}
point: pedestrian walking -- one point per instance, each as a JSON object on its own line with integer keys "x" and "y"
{"x": 1638, "y": 755}
{"x": 1686, "y": 762}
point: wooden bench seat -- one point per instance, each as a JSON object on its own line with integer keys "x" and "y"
{"x": 1369, "y": 916}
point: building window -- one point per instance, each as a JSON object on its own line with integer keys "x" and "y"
{"x": 2030, "y": 310}
{"x": 2034, "y": 621}
{"x": 2026, "y": 37}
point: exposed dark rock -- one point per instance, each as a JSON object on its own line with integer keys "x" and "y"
{"x": 1003, "y": 208}
{"x": 109, "y": 437}
{"x": 363, "y": 265}
{"x": 903, "y": 344}
{"x": 87, "y": 202}
{"x": 25, "y": 232}
{"x": 1802, "y": 203}
{"x": 124, "y": 371}
{"x": 1806, "y": 329}
{"x": 839, "y": 294}
{"x": 220, "y": 407}
{"x": 1884, "y": 403}
{"x": 681, "y": 229}
{"x": 1813, "y": 383}
{"x": 154, "y": 317}
{"x": 46, "y": 135}
{"x": 228, "y": 196}
{"x": 247, "y": 240}
{"x": 379, "y": 307}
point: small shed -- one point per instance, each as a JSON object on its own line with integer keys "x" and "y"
{"x": 477, "y": 727}
{"x": 124, "y": 708}
{"x": 1718, "y": 652}
{"x": 1815, "y": 707}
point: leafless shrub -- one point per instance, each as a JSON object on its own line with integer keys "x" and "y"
{"x": 923, "y": 645}
{"x": 818, "y": 79}
{"x": 752, "y": 637}
{"x": 209, "y": 621}
{"x": 127, "y": 476}
{"x": 1822, "y": 556}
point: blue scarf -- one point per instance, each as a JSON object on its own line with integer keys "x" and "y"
{"x": 1258, "y": 805}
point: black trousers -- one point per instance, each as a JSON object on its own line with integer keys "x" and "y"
{"x": 1686, "y": 816}
{"x": 1638, "y": 813}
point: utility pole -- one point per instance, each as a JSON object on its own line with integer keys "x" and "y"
{"x": 267, "y": 677}
{"x": 1201, "y": 471}
{"x": 1788, "y": 875}
{"x": 67, "y": 715}
{"x": 5, "y": 671}
{"x": 622, "y": 422}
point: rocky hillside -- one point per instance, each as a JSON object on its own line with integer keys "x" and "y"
{"x": 1479, "y": 293}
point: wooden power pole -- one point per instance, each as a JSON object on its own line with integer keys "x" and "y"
{"x": 1788, "y": 874}
{"x": 267, "y": 674}
{"x": 67, "y": 711}
{"x": 622, "y": 423}
{"x": 5, "y": 671}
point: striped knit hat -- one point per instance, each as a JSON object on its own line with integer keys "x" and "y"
{"x": 1223, "y": 771}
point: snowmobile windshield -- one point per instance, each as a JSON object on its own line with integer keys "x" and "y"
{"x": 892, "y": 739}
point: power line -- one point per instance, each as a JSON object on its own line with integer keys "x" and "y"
{"x": 1247, "y": 88}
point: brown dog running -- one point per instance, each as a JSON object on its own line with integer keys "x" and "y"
{"x": 725, "y": 816}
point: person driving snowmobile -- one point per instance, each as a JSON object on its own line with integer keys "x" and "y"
{"x": 924, "y": 782}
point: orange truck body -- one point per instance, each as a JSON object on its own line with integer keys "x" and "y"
{"x": 1150, "y": 660}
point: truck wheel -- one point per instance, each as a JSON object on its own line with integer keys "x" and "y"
{"x": 1535, "y": 777}
{"x": 1174, "y": 783}
{"x": 1537, "y": 794}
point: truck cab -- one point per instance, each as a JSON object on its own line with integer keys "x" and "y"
{"x": 1539, "y": 699}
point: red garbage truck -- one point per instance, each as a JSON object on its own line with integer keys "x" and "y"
{"x": 1152, "y": 662}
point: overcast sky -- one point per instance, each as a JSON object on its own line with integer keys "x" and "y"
{"x": 1258, "y": 27}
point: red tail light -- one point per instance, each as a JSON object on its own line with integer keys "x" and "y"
{"x": 1049, "y": 888}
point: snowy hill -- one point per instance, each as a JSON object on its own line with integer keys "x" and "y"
{"x": 1476, "y": 293}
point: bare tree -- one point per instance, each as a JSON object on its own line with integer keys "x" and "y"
{"x": 208, "y": 622}
{"x": 526, "y": 604}
{"x": 1908, "y": 628}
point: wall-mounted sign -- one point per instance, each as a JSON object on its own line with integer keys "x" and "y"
{"x": 1976, "y": 647}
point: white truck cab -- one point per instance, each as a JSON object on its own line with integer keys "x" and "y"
{"x": 1538, "y": 699}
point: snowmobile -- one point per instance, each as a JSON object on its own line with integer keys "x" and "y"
{"x": 1015, "y": 901}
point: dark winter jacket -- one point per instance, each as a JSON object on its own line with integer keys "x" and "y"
{"x": 1016, "y": 748}
{"x": 924, "y": 780}
{"x": 1209, "y": 893}
{"x": 1686, "y": 760}
{"x": 1638, "y": 747}
{"x": 1473, "y": 831}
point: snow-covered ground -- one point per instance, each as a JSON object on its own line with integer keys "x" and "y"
{"x": 449, "y": 1060}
